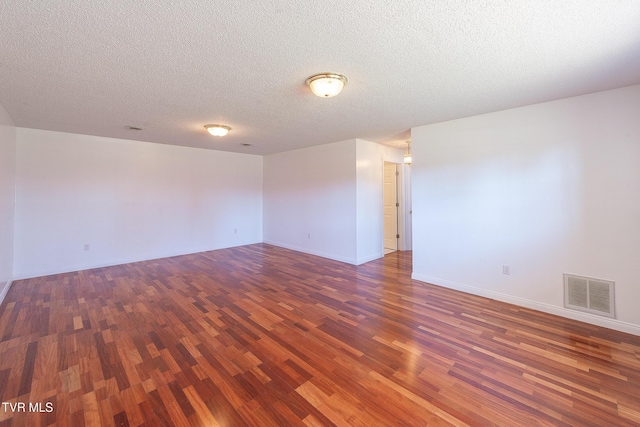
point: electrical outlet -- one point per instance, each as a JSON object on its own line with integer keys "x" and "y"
{"x": 87, "y": 247}
{"x": 235, "y": 231}
{"x": 506, "y": 269}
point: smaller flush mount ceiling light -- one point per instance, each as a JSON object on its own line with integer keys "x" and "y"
{"x": 217, "y": 130}
{"x": 326, "y": 85}
{"x": 407, "y": 157}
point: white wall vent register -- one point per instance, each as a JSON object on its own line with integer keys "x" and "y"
{"x": 590, "y": 295}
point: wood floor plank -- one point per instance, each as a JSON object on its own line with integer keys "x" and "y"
{"x": 260, "y": 335}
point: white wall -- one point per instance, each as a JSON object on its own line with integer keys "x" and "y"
{"x": 546, "y": 189}
{"x": 7, "y": 199}
{"x": 332, "y": 193}
{"x": 310, "y": 200}
{"x": 370, "y": 158}
{"x": 128, "y": 200}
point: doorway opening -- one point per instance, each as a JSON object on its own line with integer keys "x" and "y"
{"x": 397, "y": 207}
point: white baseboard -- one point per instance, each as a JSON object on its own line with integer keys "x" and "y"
{"x": 617, "y": 325}
{"x": 369, "y": 258}
{"x": 5, "y": 289}
{"x": 334, "y": 257}
{"x": 109, "y": 263}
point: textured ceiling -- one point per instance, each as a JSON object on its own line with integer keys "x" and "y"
{"x": 95, "y": 67}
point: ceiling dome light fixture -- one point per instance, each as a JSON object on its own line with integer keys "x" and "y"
{"x": 217, "y": 130}
{"x": 407, "y": 157}
{"x": 326, "y": 85}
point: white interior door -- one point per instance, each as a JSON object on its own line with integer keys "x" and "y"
{"x": 390, "y": 206}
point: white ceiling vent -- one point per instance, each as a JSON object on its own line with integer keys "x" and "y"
{"x": 590, "y": 295}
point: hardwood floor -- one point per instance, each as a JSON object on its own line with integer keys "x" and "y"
{"x": 259, "y": 335}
